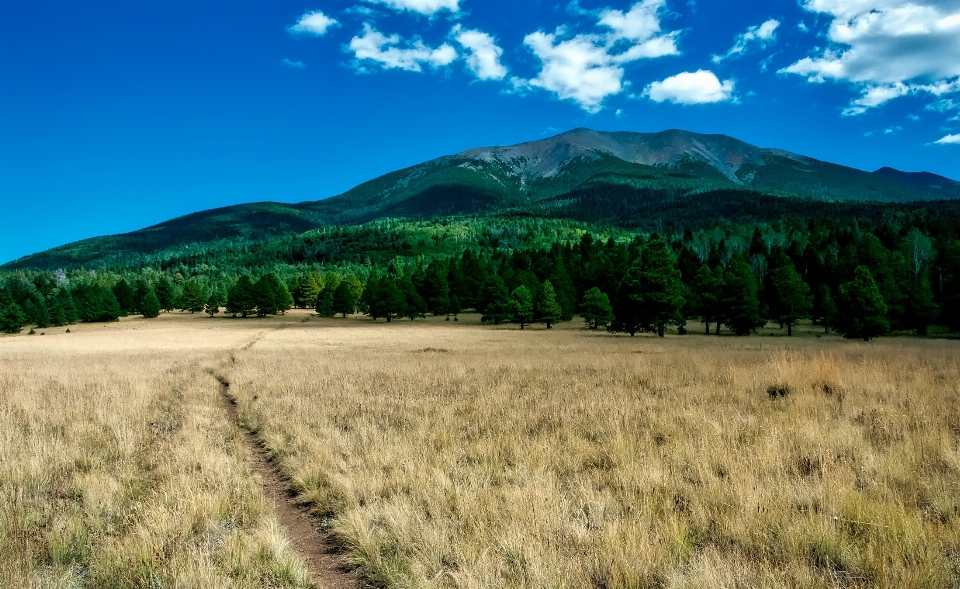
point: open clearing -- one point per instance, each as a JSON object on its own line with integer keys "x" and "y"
{"x": 441, "y": 454}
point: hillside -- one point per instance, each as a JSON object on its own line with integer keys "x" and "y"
{"x": 620, "y": 179}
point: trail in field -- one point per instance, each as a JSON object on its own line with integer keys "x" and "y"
{"x": 328, "y": 570}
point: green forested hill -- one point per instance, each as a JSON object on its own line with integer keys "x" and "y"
{"x": 674, "y": 179}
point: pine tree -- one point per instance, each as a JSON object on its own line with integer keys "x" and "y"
{"x": 192, "y": 298}
{"x": 166, "y": 293}
{"x": 240, "y": 299}
{"x": 546, "y": 308}
{"x": 436, "y": 290}
{"x": 212, "y": 306}
{"x": 790, "y": 300}
{"x": 521, "y": 305}
{"x": 36, "y": 311}
{"x": 150, "y": 307}
{"x": 282, "y": 299}
{"x": 264, "y": 297}
{"x": 494, "y": 301}
{"x": 12, "y": 318}
{"x": 862, "y": 311}
{"x": 393, "y": 302}
{"x": 740, "y": 303}
{"x": 707, "y": 291}
{"x": 627, "y": 302}
{"x": 126, "y": 297}
{"x": 824, "y": 309}
{"x": 661, "y": 289}
{"x": 342, "y": 300}
{"x": 416, "y": 307}
{"x": 595, "y": 309}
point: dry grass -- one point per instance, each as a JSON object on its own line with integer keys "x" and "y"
{"x": 120, "y": 469}
{"x": 455, "y": 456}
{"x": 448, "y": 455}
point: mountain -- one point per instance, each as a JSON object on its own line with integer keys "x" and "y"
{"x": 617, "y": 178}
{"x": 924, "y": 179}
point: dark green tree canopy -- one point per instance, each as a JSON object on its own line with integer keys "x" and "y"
{"x": 595, "y": 309}
{"x": 862, "y": 310}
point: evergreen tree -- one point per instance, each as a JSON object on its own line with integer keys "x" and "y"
{"x": 790, "y": 300}
{"x": 862, "y": 311}
{"x": 166, "y": 293}
{"x": 96, "y": 303}
{"x": 192, "y": 298}
{"x": 628, "y": 301}
{"x": 707, "y": 292}
{"x": 454, "y": 307}
{"x": 126, "y": 297}
{"x": 740, "y": 304}
{"x": 150, "y": 307}
{"x": 282, "y": 299}
{"x": 325, "y": 304}
{"x": 342, "y": 301}
{"x": 264, "y": 297}
{"x": 546, "y": 308}
{"x": 370, "y": 300}
{"x": 521, "y": 305}
{"x": 920, "y": 309}
{"x": 416, "y": 307}
{"x": 212, "y": 307}
{"x": 494, "y": 301}
{"x": 595, "y": 309}
{"x": 12, "y": 318}
{"x": 436, "y": 290}
{"x": 36, "y": 310}
{"x": 58, "y": 314}
{"x": 392, "y": 301}
{"x": 660, "y": 287}
{"x": 305, "y": 290}
{"x": 824, "y": 309}
{"x": 240, "y": 299}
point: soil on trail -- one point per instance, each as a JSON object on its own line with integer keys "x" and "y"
{"x": 328, "y": 569}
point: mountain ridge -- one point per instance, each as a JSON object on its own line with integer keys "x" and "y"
{"x": 596, "y": 176}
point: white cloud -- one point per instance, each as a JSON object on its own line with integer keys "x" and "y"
{"x": 313, "y": 23}
{"x": 577, "y": 69}
{"x": 394, "y": 52}
{"x": 639, "y": 23}
{"x": 948, "y": 139}
{"x": 483, "y": 56}
{"x": 699, "y": 87}
{"x": 761, "y": 35}
{"x": 588, "y": 68}
{"x": 887, "y": 48}
{"x": 427, "y": 7}
{"x": 294, "y": 64}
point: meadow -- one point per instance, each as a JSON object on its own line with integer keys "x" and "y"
{"x": 443, "y": 454}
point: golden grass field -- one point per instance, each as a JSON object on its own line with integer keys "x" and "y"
{"x": 445, "y": 454}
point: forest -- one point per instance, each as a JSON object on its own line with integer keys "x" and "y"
{"x": 862, "y": 277}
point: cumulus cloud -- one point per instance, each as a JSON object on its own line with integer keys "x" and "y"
{"x": 699, "y": 87}
{"x": 294, "y": 64}
{"x": 427, "y": 7}
{"x": 588, "y": 68}
{"x": 886, "y": 48}
{"x": 313, "y": 23}
{"x": 639, "y": 23}
{"x": 760, "y": 35}
{"x": 483, "y": 54}
{"x": 948, "y": 139}
{"x": 394, "y": 52}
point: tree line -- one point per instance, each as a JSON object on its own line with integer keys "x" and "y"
{"x": 860, "y": 279}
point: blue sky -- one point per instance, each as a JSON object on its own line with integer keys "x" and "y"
{"x": 115, "y": 115}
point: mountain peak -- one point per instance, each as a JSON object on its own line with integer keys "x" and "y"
{"x": 925, "y": 179}
{"x": 546, "y": 157}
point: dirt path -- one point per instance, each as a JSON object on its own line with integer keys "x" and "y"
{"x": 328, "y": 570}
